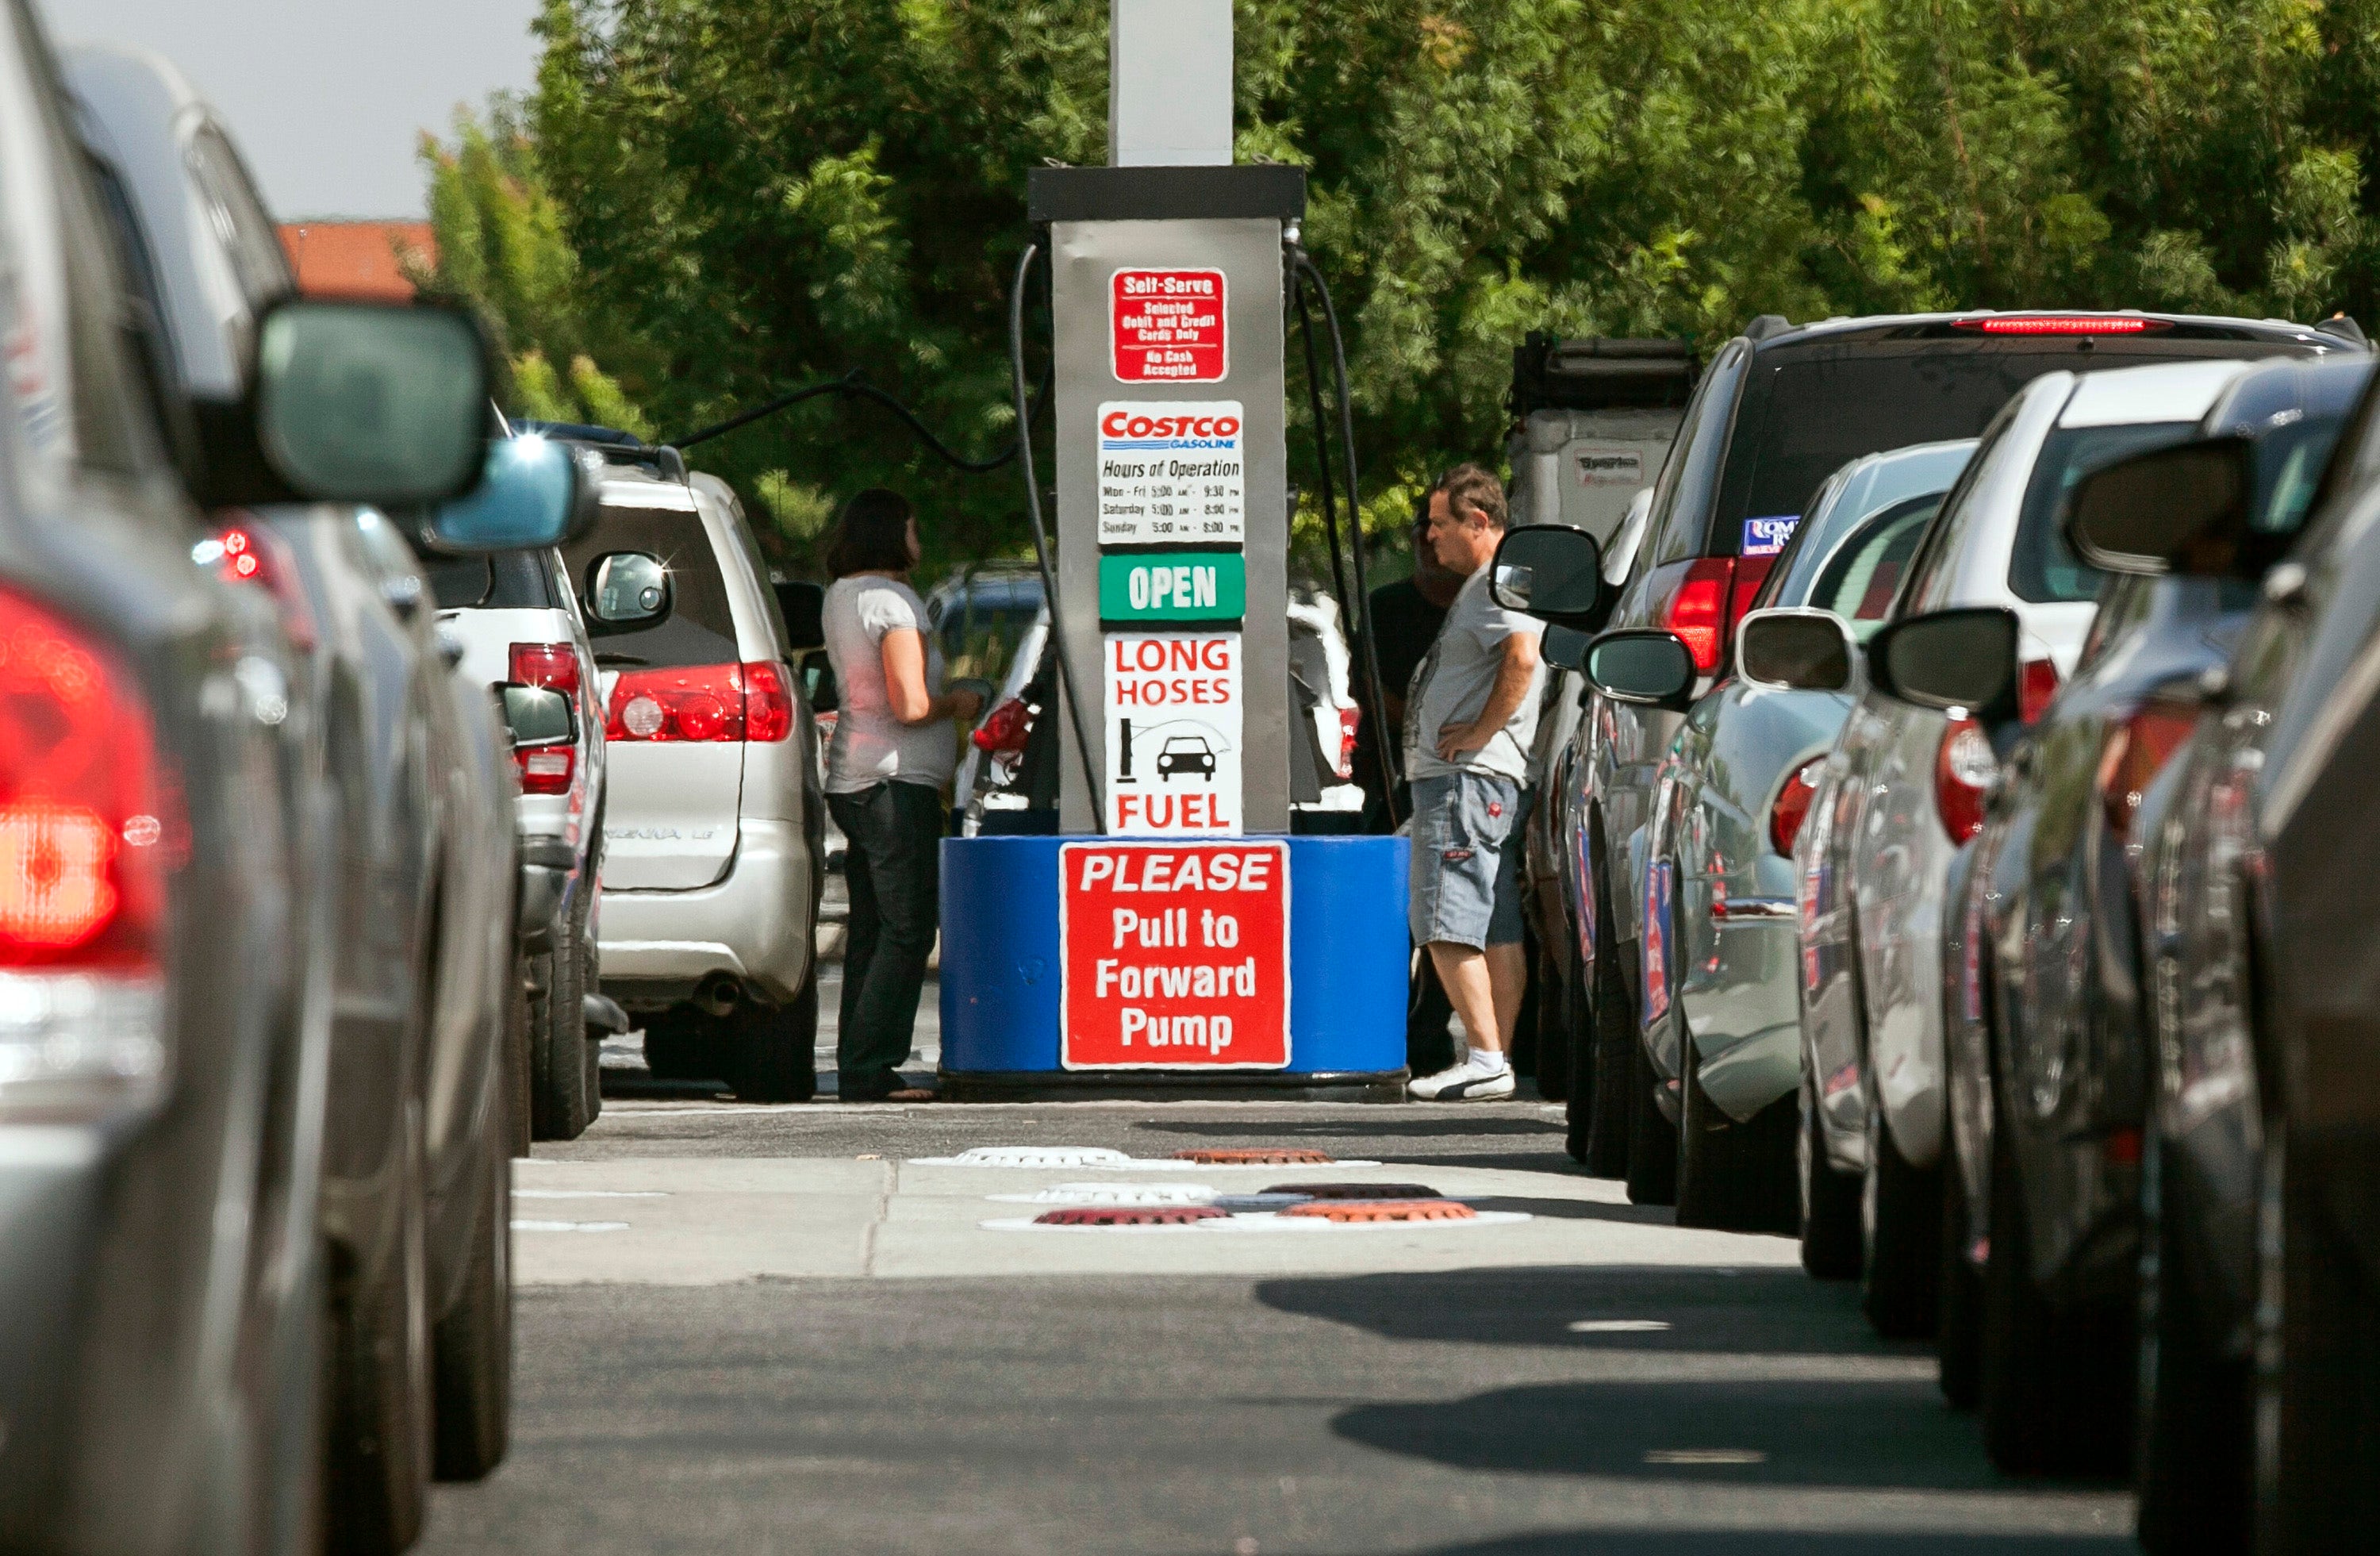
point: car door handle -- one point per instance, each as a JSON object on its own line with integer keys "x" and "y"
{"x": 403, "y": 592}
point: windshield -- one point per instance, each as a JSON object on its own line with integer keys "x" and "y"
{"x": 1849, "y": 504}
{"x": 2040, "y": 567}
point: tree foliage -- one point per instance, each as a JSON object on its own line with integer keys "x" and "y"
{"x": 708, "y": 201}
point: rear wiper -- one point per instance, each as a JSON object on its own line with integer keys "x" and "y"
{"x": 621, "y": 658}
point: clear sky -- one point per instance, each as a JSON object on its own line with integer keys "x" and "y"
{"x": 327, "y": 98}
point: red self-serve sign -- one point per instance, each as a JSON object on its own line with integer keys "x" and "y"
{"x": 1167, "y": 326}
{"x": 1173, "y": 955}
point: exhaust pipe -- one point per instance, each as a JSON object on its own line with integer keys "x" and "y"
{"x": 719, "y": 994}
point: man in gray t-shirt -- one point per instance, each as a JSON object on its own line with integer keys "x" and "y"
{"x": 1471, "y": 718}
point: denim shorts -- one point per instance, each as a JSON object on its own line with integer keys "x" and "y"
{"x": 1467, "y": 860}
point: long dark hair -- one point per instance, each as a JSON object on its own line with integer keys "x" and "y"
{"x": 871, "y": 534}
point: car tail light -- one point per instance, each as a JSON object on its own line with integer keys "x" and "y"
{"x": 2136, "y": 750}
{"x": 86, "y": 834}
{"x": 1699, "y": 612}
{"x": 1963, "y": 769}
{"x": 552, "y": 665}
{"x": 546, "y": 769}
{"x": 1005, "y": 728}
{"x": 2037, "y": 688}
{"x": 2063, "y": 324}
{"x": 707, "y": 702}
{"x": 1792, "y": 807}
{"x": 1350, "y": 719}
{"x": 242, "y": 553}
{"x": 1751, "y": 572}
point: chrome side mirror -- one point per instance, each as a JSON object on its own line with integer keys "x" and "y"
{"x": 535, "y": 493}
{"x": 1646, "y": 667}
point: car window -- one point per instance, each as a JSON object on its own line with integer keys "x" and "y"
{"x": 66, "y": 312}
{"x": 2040, "y": 568}
{"x": 1859, "y": 582}
{"x": 1930, "y": 566}
{"x": 500, "y": 580}
{"x": 247, "y": 231}
{"x": 1681, "y": 494}
{"x": 700, "y": 626}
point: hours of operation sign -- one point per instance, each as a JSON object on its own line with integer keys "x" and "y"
{"x": 1172, "y": 471}
{"x": 1173, "y": 955}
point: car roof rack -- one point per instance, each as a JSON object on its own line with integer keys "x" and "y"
{"x": 1594, "y": 373}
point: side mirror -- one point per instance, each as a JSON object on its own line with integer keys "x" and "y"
{"x": 804, "y": 607}
{"x": 2184, "y": 509}
{"x": 1962, "y": 659}
{"x": 1564, "y": 648}
{"x": 538, "y": 716}
{"x": 628, "y": 589}
{"x": 535, "y": 494}
{"x": 1794, "y": 649}
{"x": 1549, "y": 571}
{"x": 1647, "y": 667}
{"x": 352, "y": 402}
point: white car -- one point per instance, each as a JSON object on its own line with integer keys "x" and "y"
{"x": 712, "y": 816}
{"x": 516, "y": 617}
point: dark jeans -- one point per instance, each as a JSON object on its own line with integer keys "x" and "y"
{"x": 893, "y": 868}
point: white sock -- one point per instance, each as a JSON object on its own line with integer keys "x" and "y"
{"x": 1487, "y": 1061}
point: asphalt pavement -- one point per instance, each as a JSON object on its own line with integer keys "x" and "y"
{"x": 804, "y": 1328}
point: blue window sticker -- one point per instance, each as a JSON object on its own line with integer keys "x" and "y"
{"x": 1767, "y": 537}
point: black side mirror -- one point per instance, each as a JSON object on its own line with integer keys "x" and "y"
{"x": 2184, "y": 509}
{"x": 628, "y": 589}
{"x": 1796, "y": 648}
{"x": 1549, "y": 571}
{"x": 1564, "y": 648}
{"x": 1647, "y": 667}
{"x": 804, "y": 607}
{"x": 1962, "y": 658}
{"x": 535, "y": 493}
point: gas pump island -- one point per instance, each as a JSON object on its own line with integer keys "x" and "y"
{"x": 1172, "y": 939}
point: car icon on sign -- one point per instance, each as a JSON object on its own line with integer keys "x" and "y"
{"x": 1185, "y": 753}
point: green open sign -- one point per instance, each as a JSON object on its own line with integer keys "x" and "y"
{"x": 1174, "y": 586}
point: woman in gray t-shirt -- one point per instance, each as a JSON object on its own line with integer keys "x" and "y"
{"x": 885, "y": 768}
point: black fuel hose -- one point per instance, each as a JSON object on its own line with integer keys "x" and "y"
{"x": 1322, "y": 461}
{"x": 1023, "y": 451}
{"x": 857, "y": 387}
{"x": 1380, "y": 738}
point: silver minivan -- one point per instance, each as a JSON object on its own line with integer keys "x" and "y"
{"x": 713, "y": 818}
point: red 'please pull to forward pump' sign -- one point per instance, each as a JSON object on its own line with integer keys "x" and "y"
{"x": 1167, "y": 326}
{"x": 1173, "y": 955}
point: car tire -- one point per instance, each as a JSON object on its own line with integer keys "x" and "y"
{"x": 1652, "y": 1139}
{"x": 2056, "y": 1389}
{"x": 380, "y": 1445}
{"x": 1830, "y": 1199}
{"x": 1552, "y": 1028}
{"x": 1958, "y": 1330}
{"x": 590, "y": 1044}
{"x": 773, "y": 1050}
{"x": 1900, "y": 1236}
{"x": 1707, "y": 1188}
{"x": 2317, "y": 1375}
{"x": 472, "y": 1345}
{"x": 558, "y": 1099}
{"x": 1613, "y": 1023}
{"x": 520, "y": 1082}
{"x": 1578, "y": 1041}
{"x": 2193, "y": 1465}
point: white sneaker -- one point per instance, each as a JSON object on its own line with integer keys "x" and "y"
{"x": 1465, "y": 1083}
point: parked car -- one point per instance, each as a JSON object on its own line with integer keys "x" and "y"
{"x": 1592, "y": 420}
{"x": 518, "y": 620}
{"x": 174, "y": 1029}
{"x": 713, "y": 816}
{"x": 1779, "y": 408}
{"x": 419, "y": 839}
{"x": 2260, "y": 1383}
{"x": 1722, "y": 1003}
{"x": 2046, "y": 1034}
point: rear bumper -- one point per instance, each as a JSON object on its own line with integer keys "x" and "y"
{"x": 755, "y": 924}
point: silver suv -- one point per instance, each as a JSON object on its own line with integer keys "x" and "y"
{"x": 713, "y": 818}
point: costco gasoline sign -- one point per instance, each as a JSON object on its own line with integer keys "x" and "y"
{"x": 1173, "y": 955}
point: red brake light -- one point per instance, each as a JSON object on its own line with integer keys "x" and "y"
{"x": 1963, "y": 769}
{"x": 2062, "y": 324}
{"x": 83, "y": 834}
{"x": 706, "y": 702}
{"x": 546, "y": 769}
{"x": 1006, "y": 727}
{"x": 1350, "y": 719}
{"x": 2037, "y": 688}
{"x": 552, "y": 665}
{"x": 1699, "y": 612}
{"x": 2137, "y": 750}
{"x": 1792, "y": 807}
{"x": 257, "y": 555}
{"x": 1751, "y": 572}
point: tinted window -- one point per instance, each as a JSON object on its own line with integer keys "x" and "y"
{"x": 500, "y": 580}
{"x": 247, "y": 232}
{"x": 1860, "y": 580}
{"x": 2040, "y": 567}
{"x": 699, "y": 629}
{"x": 1682, "y": 495}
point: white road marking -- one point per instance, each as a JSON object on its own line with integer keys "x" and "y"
{"x": 1705, "y": 1457}
{"x": 588, "y": 1194}
{"x": 1619, "y": 1326}
{"x": 570, "y": 1226}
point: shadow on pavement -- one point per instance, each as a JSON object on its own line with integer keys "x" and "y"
{"x": 1724, "y": 1542}
{"x": 1456, "y": 1125}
